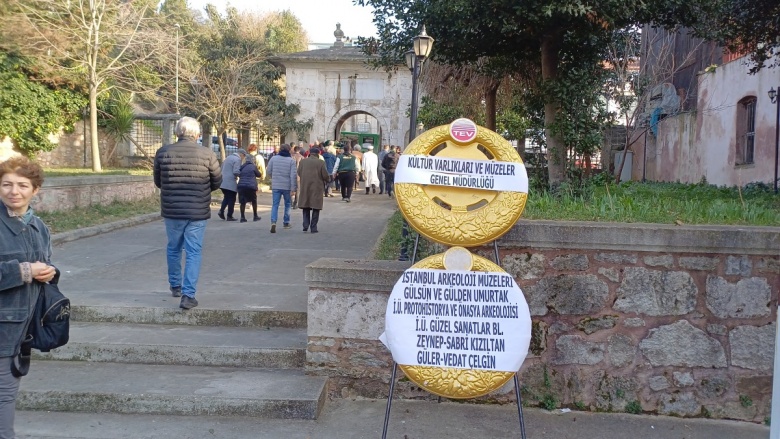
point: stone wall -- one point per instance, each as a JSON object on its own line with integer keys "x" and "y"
{"x": 71, "y": 151}
{"x": 62, "y": 193}
{"x": 666, "y": 319}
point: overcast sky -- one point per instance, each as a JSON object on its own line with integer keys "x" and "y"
{"x": 319, "y": 17}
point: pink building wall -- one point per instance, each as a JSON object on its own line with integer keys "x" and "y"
{"x": 702, "y": 143}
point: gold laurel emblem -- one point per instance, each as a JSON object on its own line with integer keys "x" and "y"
{"x": 460, "y": 216}
{"x": 450, "y": 382}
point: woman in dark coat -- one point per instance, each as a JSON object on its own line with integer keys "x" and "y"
{"x": 25, "y": 262}
{"x": 313, "y": 175}
{"x": 247, "y": 186}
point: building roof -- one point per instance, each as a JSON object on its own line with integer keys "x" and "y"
{"x": 337, "y": 52}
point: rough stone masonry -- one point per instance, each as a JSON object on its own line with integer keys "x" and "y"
{"x": 666, "y": 319}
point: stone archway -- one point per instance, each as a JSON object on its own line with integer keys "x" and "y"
{"x": 347, "y": 111}
{"x": 329, "y": 83}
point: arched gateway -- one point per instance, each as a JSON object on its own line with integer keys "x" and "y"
{"x": 332, "y": 85}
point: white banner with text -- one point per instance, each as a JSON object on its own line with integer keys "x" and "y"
{"x": 470, "y": 174}
{"x": 459, "y": 319}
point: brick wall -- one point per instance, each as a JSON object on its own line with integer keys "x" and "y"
{"x": 676, "y": 320}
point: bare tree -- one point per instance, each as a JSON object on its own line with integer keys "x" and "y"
{"x": 643, "y": 94}
{"x": 104, "y": 43}
{"x": 228, "y": 97}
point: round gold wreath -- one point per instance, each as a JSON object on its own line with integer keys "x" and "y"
{"x": 450, "y": 382}
{"x": 460, "y": 227}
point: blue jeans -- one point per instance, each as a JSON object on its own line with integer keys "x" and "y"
{"x": 277, "y": 195}
{"x": 189, "y": 235}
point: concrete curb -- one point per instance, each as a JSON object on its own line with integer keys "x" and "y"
{"x": 196, "y": 317}
{"x": 86, "y": 232}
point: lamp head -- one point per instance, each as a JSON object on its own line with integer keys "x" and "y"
{"x": 423, "y": 44}
{"x": 409, "y": 56}
{"x": 772, "y": 95}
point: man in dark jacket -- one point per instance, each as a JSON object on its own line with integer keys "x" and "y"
{"x": 389, "y": 162}
{"x": 186, "y": 174}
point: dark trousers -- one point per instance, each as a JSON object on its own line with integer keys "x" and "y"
{"x": 389, "y": 182}
{"x": 347, "y": 180}
{"x": 247, "y": 196}
{"x": 229, "y": 201}
{"x": 310, "y": 219}
{"x": 381, "y": 175}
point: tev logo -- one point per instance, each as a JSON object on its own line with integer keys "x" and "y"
{"x": 463, "y": 130}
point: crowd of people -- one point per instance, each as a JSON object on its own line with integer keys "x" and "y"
{"x": 301, "y": 177}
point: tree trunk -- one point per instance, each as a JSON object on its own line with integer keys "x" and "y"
{"x": 221, "y": 141}
{"x": 556, "y": 150}
{"x": 490, "y": 105}
{"x": 93, "y": 128}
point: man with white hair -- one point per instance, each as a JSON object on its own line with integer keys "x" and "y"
{"x": 186, "y": 174}
{"x": 370, "y": 165}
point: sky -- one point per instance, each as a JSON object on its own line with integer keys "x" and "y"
{"x": 318, "y": 17}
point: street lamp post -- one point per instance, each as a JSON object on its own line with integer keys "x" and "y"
{"x": 773, "y": 97}
{"x": 177, "y": 67}
{"x": 423, "y": 44}
{"x": 774, "y": 429}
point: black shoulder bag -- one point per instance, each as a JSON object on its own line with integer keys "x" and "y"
{"x": 49, "y": 326}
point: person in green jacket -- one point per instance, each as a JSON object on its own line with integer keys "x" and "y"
{"x": 345, "y": 170}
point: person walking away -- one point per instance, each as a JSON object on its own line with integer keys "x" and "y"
{"x": 339, "y": 152}
{"x": 330, "y": 161}
{"x": 25, "y": 263}
{"x": 297, "y": 156}
{"x": 358, "y": 164}
{"x": 370, "y": 167}
{"x": 284, "y": 180}
{"x": 313, "y": 174}
{"x": 381, "y": 171}
{"x": 247, "y": 187}
{"x": 345, "y": 170}
{"x": 229, "y": 187}
{"x": 258, "y": 159}
{"x": 389, "y": 163}
{"x": 186, "y": 175}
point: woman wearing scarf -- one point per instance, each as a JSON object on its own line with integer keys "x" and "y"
{"x": 25, "y": 262}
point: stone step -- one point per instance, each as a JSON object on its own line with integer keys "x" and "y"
{"x": 279, "y": 348}
{"x": 171, "y": 390}
{"x": 194, "y": 317}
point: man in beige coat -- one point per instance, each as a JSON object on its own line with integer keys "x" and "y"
{"x": 313, "y": 175}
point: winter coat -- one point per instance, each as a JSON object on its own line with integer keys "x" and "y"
{"x": 19, "y": 243}
{"x": 390, "y": 162}
{"x": 370, "y": 166}
{"x": 313, "y": 175}
{"x": 283, "y": 173}
{"x": 186, "y": 174}
{"x": 346, "y": 163}
{"x": 248, "y": 175}
{"x": 230, "y": 170}
{"x": 330, "y": 161}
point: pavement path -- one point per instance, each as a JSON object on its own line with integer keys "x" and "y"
{"x": 244, "y": 265}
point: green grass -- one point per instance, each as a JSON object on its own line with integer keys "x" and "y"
{"x": 662, "y": 203}
{"x": 81, "y": 172}
{"x": 62, "y": 221}
{"x": 390, "y": 243}
{"x": 634, "y": 202}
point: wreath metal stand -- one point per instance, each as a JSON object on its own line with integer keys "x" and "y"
{"x": 395, "y": 365}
